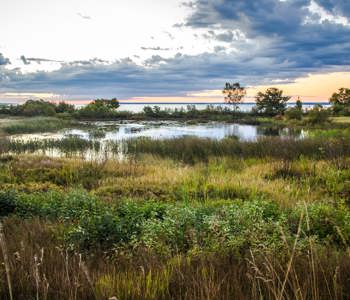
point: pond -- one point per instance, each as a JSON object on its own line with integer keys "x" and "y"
{"x": 105, "y": 132}
{"x": 116, "y": 131}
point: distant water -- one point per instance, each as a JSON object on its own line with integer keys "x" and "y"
{"x": 120, "y": 132}
{"x": 138, "y": 107}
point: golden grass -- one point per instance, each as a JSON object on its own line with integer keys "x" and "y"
{"x": 343, "y": 120}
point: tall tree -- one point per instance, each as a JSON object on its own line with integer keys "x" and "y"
{"x": 234, "y": 93}
{"x": 341, "y": 98}
{"x": 272, "y": 102}
{"x": 299, "y": 104}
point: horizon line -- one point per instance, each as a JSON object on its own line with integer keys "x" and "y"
{"x": 210, "y": 103}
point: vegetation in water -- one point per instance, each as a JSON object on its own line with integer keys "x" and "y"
{"x": 185, "y": 218}
{"x": 143, "y": 229}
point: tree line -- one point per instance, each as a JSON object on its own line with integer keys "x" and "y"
{"x": 272, "y": 102}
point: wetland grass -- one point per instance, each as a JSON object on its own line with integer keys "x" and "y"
{"x": 38, "y": 124}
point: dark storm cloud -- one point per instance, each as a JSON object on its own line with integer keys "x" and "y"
{"x": 294, "y": 32}
{"x": 3, "y": 60}
{"x": 265, "y": 41}
{"x": 29, "y": 60}
{"x": 340, "y": 7}
{"x": 161, "y": 77}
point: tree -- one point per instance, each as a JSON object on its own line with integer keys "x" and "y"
{"x": 234, "y": 93}
{"x": 341, "y": 98}
{"x": 296, "y": 112}
{"x": 37, "y": 108}
{"x": 317, "y": 115}
{"x": 64, "y": 107}
{"x": 99, "y": 108}
{"x": 272, "y": 102}
{"x": 105, "y": 103}
{"x": 299, "y": 104}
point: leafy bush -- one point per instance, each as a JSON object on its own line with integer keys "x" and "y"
{"x": 7, "y": 202}
{"x": 317, "y": 115}
{"x": 171, "y": 228}
{"x": 294, "y": 113}
{"x": 99, "y": 109}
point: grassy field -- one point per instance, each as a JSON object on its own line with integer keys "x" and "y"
{"x": 341, "y": 120}
{"x": 187, "y": 218}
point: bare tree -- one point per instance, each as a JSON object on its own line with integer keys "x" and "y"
{"x": 234, "y": 93}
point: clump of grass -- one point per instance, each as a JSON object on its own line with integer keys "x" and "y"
{"x": 97, "y": 133}
{"x": 191, "y": 149}
{"x": 68, "y": 145}
{"x": 33, "y": 125}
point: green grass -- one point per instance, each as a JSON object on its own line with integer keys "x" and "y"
{"x": 186, "y": 218}
{"x": 32, "y": 125}
{"x": 192, "y": 149}
{"x": 68, "y": 145}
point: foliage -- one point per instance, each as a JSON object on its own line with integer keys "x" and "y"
{"x": 32, "y": 108}
{"x": 63, "y": 107}
{"x": 7, "y": 202}
{"x": 341, "y": 98}
{"x": 234, "y": 93}
{"x": 299, "y": 105}
{"x": 38, "y": 108}
{"x": 99, "y": 109}
{"x": 317, "y": 115}
{"x": 178, "y": 227}
{"x": 272, "y": 102}
{"x": 294, "y": 113}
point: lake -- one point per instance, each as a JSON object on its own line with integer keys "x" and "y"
{"x": 137, "y": 107}
{"x": 119, "y": 131}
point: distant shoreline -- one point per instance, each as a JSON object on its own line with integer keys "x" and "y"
{"x": 209, "y": 103}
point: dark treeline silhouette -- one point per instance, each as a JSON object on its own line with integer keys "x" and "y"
{"x": 270, "y": 103}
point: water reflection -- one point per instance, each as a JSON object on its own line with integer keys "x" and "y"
{"x": 105, "y": 132}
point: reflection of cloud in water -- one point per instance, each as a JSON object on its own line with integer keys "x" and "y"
{"x": 121, "y": 131}
{"x": 116, "y": 131}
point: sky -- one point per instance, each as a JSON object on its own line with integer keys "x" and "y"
{"x": 172, "y": 50}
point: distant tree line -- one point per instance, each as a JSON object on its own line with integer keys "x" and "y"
{"x": 99, "y": 108}
{"x": 271, "y": 103}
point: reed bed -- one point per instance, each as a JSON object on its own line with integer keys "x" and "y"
{"x": 39, "y": 124}
{"x": 66, "y": 145}
{"x": 192, "y": 149}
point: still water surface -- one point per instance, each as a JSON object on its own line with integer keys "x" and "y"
{"x": 119, "y": 131}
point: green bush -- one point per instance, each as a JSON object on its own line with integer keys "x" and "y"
{"x": 7, "y": 203}
{"x": 171, "y": 228}
{"x": 317, "y": 115}
{"x": 294, "y": 113}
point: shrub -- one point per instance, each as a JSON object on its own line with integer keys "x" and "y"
{"x": 294, "y": 113}
{"x": 38, "y": 108}
{"x": 317, "y": 115}
{"x": 7, "y": 202}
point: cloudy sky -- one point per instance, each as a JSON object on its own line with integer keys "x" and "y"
{"x": 171, "y": 50}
